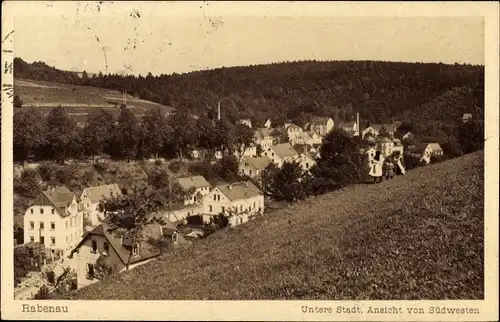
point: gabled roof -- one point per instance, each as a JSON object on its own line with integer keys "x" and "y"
{"x": 146, "y": 250}
{"x": 320, "y": 120}
{"x": 466, "y": 116}
{"x": 60, "y": 198}
{"x": 388, "y": 127}
{"x": 435, "y": 146}
{"x": 239, "y": 190}
{"x": 291, "y": 125}
{"x": 284, "y": 150}
{"x": 258, "y": 163}
{"x": 193, "y": 182}
{"x": 98, "y": 193}
{"x": 261, "y": 133}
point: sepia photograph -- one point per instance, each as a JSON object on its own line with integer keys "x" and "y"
{"x": 260, "y": 151}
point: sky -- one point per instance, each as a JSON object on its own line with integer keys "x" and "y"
{"x": 142, "y": 38}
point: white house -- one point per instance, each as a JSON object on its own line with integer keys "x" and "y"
{"x": 53, "y": 220}
{"x": 247, "y": 152}
{"x": 253, "y": 167}
{"x": 240, "y": 200}
{"x": 92, "y": 196}
{"x": 350, "y": 127}
{"x": 306, "y": 160}
{"x": 114, "y": 251}
{"x": 246, "y": 122}
{"x": 263, "y": 138}
{"x": 301, "y": 138}
{"x": 408, "y": 136}
{"x": 198, "y": 185}
{"x": 426, "y": 150}
{"x": 292, "y": 130}
{"x": 281, "y": 153}
{"x": 374, "y": 130}
{"x": 316, "y": 139}
{"x": 178, "y": 212}
{"x": 321, "y": 125}
{"x": 466, "y": 117}
{"x": 267, "y": 124}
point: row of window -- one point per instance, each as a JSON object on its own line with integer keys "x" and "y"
{"x": 42, "y": 240}
{"x": 32, "y": 211}
{"x": 42, "y": 225}
{"x": 72, "y": 221}
{"x": 210, "y": 208}
{"x": 94, "y": 246}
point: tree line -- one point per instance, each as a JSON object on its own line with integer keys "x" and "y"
{"x": 380, "y": 91}
{"x": 56, "y": 136}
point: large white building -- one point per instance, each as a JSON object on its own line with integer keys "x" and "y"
{"x": 240, "y": 199}
{"x": 92, "y": 196}
{"x": 53, "y": 220}
{"x": 197, "y": 185}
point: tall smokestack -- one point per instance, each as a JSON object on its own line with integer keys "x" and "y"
{"x": 357, "y": 122}
{"x": 218, "y": 111}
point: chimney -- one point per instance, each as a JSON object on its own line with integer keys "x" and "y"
{"x": 357, "y": 122}
{"x": 218, "y": 111}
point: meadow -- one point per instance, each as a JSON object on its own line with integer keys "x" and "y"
{"x": 415, "y": 237}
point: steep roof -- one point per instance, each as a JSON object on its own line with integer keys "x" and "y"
{"x": 348, "y": 124}
{"x": 284, "y": 150}
{"x": 60, "y": 198}
{"x": 320, "y": 120}
{"x": 239, "y": 190}
{"x": 291, "y": 125}
{"x": 388, "y": 127}
{"x": 146, "y": 250}
{"x": 98, "y": 193}
{"x": 261, "y": 133}
{"x": 435, "y": 146}
{"x": 258, "y": 163}
{"x": 193, "y": 182}
{"x": 467, "y": 116}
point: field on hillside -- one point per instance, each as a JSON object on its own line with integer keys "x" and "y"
{"x": 412, "y": 238}
{"x": 80, "y": 99}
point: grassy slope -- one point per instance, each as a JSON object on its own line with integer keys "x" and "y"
{"x": 76, "y": 97}
{"x": 415, "y": 237}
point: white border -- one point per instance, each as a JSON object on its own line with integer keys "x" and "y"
{"x": 267, "y": 310}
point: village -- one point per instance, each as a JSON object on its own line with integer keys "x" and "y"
{"x": 63, "y": 232}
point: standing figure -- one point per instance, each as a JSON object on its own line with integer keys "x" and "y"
{"x": 389, "y": 169}
{"x": 376, "y": 167}
{"x": 400, "y": 169}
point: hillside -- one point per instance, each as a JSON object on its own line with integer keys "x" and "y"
{"x": 80, "y": 100}
{"x": 293, "y": 90}
{"x": 415, "y": 237}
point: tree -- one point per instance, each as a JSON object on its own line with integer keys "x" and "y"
{"x": 27, "y": 133}
{"x": 125, "y": 136}
{"x": 127, "y": 215}
{"x": 102, "y": 269}
{"x": 85, "y": 78}
{"x": 157, "y": 131}
{"x": 225, "y": 135}
{"x": 340, "y": 163}
{"x": 227, "y": 168}
{"x": 97, "y": 132}
{"x": 42, "y": 294}
{"x": 62, "y": 283}
{"x": 383, "y": 133}
{"x": 471, "y": 135}
{"x": 59, "y": 134}
{"x": 244, "y": 137}
{"x": 28, "y": 184}
{"x": 183, "y": 133}
{"x": 285, "y": 183}
{"x": 18, "y": 102}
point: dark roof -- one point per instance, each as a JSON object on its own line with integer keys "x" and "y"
{"x": 388, "y": 127}
{"x": 284, "y": 150}
{"x": 258, "y": 163}
{"x": 60, "y": 198}
{"x": 240, "y": 190}
{"x": 348, "y": 124}
{"x": 98, "y": 193}
{"x": 320, "y": 120}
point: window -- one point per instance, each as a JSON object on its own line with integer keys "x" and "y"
{"x": 52, "y": 240}
{"x": 241, "y": 207}
{"x": 90, "y": 270}
{"x": 31, "y": 210}
{"x": 42, "y": 225}
{"x": 135, "y": 249}
{"x": 41, "y": 211}
{"x": 218, "y": 197}
{"x": 250, "y": 171}
{"x": 94, "y": 246}
{"x": 223, "y": 209}
{"x": 42, "y": 240}
{"x": 32, "y": 225}
{"x": 307, "y": 165}
{"x": 215, "y": 197}
{"x": 254, "y": 205}
{"x": 53, "y": 210}
{"x": 106, "y": 247}
{"x": 66, "y": 222}
{"x": 32, "y": 239}
{"x": 210, "y": 208}
{"x": 52, "y": 225}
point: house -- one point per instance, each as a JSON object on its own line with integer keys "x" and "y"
{"x": 267, "y": 124}
{"x": 408, "y": 136}
{"x": 374, "y": 129}
{"x": 113, "y": 251}
{"x": 321, "y": 125}
{"x": 301, "y": 138}
{"x": 281, "y": 153}
{"x": 306, "y": 160}
{"x": 196, "y": 186}
{"x": 397, "y": 147}
{"x": 316, "y": 139}
{"x": 425, "y": 151}
{"x": 350, "y": 127}
{"x": 239, "y": 200}
{"x": 54, "y": 221}
{"x": 92, "y": 196}
{"x": 303, "y": 148}
{"x": 247, "y": 152}
{"x": 385, "y": 146}
{"x": 466, "y": 117}
{"x": 292, "y": 130}
{"x": 179, "y": 212}
{"x": 246, "y": 122}
{"x": 263, "y": 138}
{"x": 253, "y": 167}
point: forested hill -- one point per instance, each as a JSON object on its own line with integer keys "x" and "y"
{"x": 295, "y": 90}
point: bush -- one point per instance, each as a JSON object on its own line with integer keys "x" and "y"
{"x": 47, "y": 170}
{"x": 43, "y": 293}
{"x": 175, "y": 166}
{"x": 158, "y": 162}
{"x": 28, "y": 184}
{"x": 101, "y": 167}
